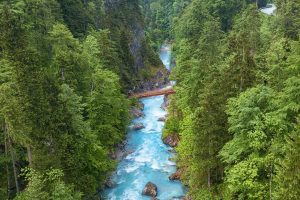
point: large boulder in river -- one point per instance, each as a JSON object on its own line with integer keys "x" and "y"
{"x": 171, "y": 140}
{"x": 150, "y": 190}
{"x": 176, "y": 175}
{"x": 138, "y": 126}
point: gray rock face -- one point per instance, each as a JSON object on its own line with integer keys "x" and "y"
{"x": 166, "y": 103}
{"x": 150, "y": 190}
{"x": 136, "y": 45}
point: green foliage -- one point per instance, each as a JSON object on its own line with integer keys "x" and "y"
{"x": 108, "y": 57}
{"x": 171, "y": 126}
{"x": 236, "y": 108}
{"x": 125, "y": 21}
{"x": 105, "y": 98}
{"x": 236, "y": 101}
{"x": 76, "y": 15}
{"x": 246, "y": 155}
{"x": 61, "y": 100}
{"x": 287, "y": 177}
{"x": 66, "y": 60}
{"x": 288, "y": 17}
{"x": 47, "y": 185}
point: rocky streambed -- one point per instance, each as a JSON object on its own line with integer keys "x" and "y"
{"x": 147, "y": 171}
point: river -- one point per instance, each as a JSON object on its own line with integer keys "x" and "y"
{"x": 150, "y": 158}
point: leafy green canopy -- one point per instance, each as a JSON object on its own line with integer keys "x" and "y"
{"x": 62, "y": 105}
{"x": 236, "y": 105}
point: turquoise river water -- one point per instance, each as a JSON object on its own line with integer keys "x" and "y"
{"x": 150, "y": 158}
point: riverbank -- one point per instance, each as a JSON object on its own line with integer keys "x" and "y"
{"x": 150, "y": 160}
{"x": 145, "y": 159}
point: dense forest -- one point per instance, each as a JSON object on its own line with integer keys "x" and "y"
{"x": 237, "y": 99}
{"x": 66, "y": 67}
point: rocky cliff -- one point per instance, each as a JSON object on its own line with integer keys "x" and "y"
{"x": 141, "y": 65}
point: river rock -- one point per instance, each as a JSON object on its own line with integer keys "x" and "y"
{"x": 136, "y": 113}
{"x": 110, "y": 183}
{"x": 150, "y": 190}
{"x": 172, "y": 140}
{"x": 186, "y": 198}
{"x": 161, "y": 119}
{"x": 138, "y": 126}
{"x": 176, "y": 175}
{"x": 118, "y": 151}
{"x": 140, "y": 106}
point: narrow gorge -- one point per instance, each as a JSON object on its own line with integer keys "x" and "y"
{"x": 148, "y": 159}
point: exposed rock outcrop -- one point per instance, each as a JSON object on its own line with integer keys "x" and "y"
{"x": 176, "y": 175}
{"x": 110, "y": 183}
{"x": 136, "y": 113}
{"x": 157, "y": 80}
{"x": 140, "y": 65}
{"x": 118, "y": 152}
{"x": 166, "y": 103}
{"x": 150, "y": 190}
{"x": 138, "y": 126}
{"x": 171, "y": 140}
{"x": 137, "y": 110}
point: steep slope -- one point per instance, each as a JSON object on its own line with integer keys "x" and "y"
{"x": 141, "y": 63}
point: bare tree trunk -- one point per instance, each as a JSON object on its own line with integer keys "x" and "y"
{"x": 222, "y": 173}
{"x": 217, "y": 171}
{"x": 208, "y": 178}
{"x": 242, "y": 70}
{"x": 209, "y": 156}
{"x": 271, "y": 177}
{"x": 12, "y": 155}
{"x": 63, "y": 74}
{"x": 6, "y": 155}
{"x": 29, "y": 154}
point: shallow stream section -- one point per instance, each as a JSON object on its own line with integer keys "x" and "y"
{"x": 149, "y": 160}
